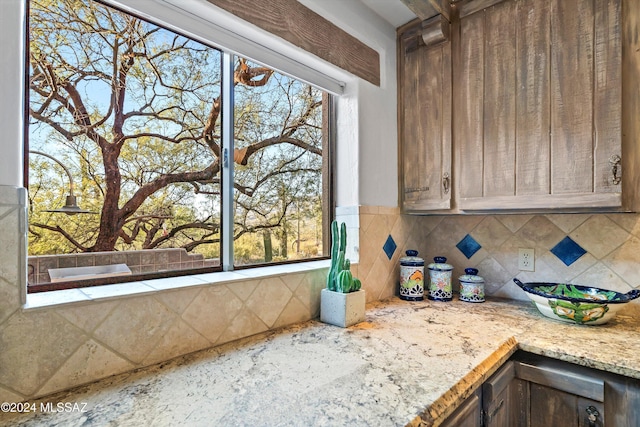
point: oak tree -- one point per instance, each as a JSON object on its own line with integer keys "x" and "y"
{"x": 135, "y": 111}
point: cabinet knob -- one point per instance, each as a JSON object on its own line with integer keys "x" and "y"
{"x": 446, "y": 182}
{"x": 592, "y": 415}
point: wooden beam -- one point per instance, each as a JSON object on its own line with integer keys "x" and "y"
{"x": 295, "y": 23}
{"x": 426, "y": 9}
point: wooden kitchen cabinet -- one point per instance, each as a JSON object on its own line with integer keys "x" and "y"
{"x": 538, "y": 105}
{"x": 530, "y": 390}
{"x": 425, "y": 116}
{"x": 561, "y": 394}
{"x": 536, "y": 391}
{"x": 504, "y": 398}
{"x": 536, "y": 102}
{"x": 468, "y": 414}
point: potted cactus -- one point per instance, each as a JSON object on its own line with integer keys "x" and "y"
{"x": 342, "y": 302}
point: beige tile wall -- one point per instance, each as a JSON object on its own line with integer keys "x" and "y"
{"x": 50, "y": 349}
{"x": 612, "y": 242}
{"x": 53, "y": 348}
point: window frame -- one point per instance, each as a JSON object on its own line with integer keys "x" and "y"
{"x": 226, "y": 147}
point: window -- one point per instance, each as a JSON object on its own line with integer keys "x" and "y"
{"x": 126, "y": 153}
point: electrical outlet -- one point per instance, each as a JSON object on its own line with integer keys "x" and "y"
{"x": 526, "y": 259}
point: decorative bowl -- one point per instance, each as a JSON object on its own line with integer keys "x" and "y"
{"x": 583, "y": 305}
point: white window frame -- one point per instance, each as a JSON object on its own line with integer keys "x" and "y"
{"x": 13, "y": 47}
{"x": 202, "y": 20}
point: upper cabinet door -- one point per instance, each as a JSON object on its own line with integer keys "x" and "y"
{"x": 538, "y": 106}
{"x": 425, "y": 98}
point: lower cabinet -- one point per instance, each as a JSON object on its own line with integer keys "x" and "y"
{"x": 469, "y": 414}
{"x": 504, "y": 398}
{"x": 536, "y": 391}
{"x": 531, "y": 391}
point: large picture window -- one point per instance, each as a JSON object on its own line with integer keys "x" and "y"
{"x": 125, "y": 148}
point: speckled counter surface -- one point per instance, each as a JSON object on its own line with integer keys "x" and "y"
{"x": 409, "y": 363}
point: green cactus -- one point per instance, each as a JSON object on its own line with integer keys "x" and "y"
{"x": 344, "y": 281}
{"x": 340, "y": 278}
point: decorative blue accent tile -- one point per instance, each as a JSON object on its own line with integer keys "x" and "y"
{"x": 389, "y": 247}
{"x": 468, "y": 246}
{"x": 568, "y": 251}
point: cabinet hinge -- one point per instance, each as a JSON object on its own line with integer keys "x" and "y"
{"x": 614, "y": 161}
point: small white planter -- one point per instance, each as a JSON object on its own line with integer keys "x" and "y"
{"x": 341, "y": 309}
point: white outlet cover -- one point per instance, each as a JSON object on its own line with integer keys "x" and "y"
{"x": 526, "y": 259}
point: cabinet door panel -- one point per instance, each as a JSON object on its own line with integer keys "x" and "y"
{"x": 468, "y": 117}
{"x": 607, "y": 104}
{"x": 467, "y": 415}
{"x": 571, "y": 96}
{"x": 504, "y": 399}
{"x": 414, "y": 156}
{"x": 551, "y": 407}
{"x": 623, "y": 401}
{"x": 500, "y": 104}
{"x": 533, "y": 141}
{"x": 425, "y": 126}
{"x": 538, "y": 105}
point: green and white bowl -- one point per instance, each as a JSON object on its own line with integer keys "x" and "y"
{"x": 582, "y": 305}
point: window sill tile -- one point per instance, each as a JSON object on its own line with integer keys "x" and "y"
{"x": 220, "y": 277}
{"x": 45, "y": 299}
{"x": 282, "y": 269}
{"x": 123, "y": 290}
{"x": 176, "y": 282}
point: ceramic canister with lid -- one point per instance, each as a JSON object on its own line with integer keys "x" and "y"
{"x": 440, "y": 280}
{"x": 471, "y": 286}
{"x": 412, "y": 277}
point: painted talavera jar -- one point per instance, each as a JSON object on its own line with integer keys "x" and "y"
{"x": 440, "y": 280}
{"x": 412, "y": 277}
{"x": 471, "y": 286}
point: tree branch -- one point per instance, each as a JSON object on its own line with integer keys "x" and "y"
{"x": 166, "y": 179}
{"x": 214, "y": 228}
{"x": 59, "y": 229}
{"x": 241, "y": 156}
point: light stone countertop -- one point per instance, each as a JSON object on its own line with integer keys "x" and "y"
{"x": 409, "y": 363}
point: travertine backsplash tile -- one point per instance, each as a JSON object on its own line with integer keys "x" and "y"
{"x": 178, "y": 340}
{"x": 88, "y": 318}
{"x": 90, "y": 362}
{"x": 54, "y": 347}
{"x": 135, "y": 327}
{"x": 624, "y": 260}
{"x": 211, "y": 312}
{"x": 244, "y": 324}
{"x": 34, "y": 346}
{"x": 276, "y": 293}
{"x": 608, "y": 237}
{"x": 568, "y": 222}
{"x": 611, "y": 242}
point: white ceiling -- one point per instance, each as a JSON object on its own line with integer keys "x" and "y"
{"x": 392, "y": 11}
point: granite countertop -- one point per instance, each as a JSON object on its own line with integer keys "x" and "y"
{"x": 409, "y": 363}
